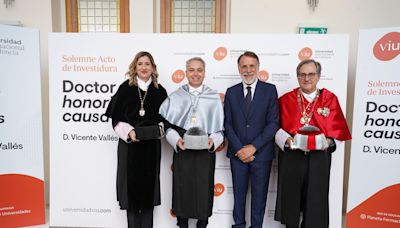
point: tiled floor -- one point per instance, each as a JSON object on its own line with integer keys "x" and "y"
{"x": 48, "y": 226}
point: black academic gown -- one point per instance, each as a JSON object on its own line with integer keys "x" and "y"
{"x": 304, "y": 187}
{"x": 138, "y": 183}
{"x": 193, "y": 182}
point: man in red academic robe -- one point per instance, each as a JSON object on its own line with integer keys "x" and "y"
{"x": 312, "y": 125}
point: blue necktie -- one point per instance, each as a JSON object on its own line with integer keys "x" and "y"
{"x": 247, "y": 99}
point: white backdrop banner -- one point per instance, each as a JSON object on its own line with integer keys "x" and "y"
{"x": 86, "y": 70}
{"x": 21, "y": 144}
{"x": 374, "y": 183}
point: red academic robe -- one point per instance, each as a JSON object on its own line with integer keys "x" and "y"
{"x": 333, "y": 125}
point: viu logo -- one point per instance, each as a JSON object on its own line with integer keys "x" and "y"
{"x": 387, "y": 47}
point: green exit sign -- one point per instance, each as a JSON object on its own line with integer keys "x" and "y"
{"x": 313, "y": 29}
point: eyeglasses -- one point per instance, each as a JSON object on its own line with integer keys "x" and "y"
{"x": 309, "y": 75}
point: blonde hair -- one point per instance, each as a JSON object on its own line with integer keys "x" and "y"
{"x": 131, "y": 74}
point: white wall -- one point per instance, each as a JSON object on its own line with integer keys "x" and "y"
{"x": 143, "y": 15}
{"x": 250, "y": 16}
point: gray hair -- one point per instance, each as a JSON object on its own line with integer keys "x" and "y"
{"x": 195, "y": 59}
{"x": 307, "y": 61}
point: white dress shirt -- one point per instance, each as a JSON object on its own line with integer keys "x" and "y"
{"x": 253, "y": 88}
{"x": 310, "y": 97}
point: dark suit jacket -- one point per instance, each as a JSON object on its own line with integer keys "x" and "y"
{"x": 258, "y": 127}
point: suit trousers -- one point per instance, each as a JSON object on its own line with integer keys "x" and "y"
{"x": 141, "y": 219}
{"x": 257, "y": 172}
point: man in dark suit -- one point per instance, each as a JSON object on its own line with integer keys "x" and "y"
{"x": 251, "y": 121}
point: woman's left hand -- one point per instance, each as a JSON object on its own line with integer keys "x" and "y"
{"x": 132, "y": 135}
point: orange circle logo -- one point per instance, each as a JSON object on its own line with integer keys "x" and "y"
{"x": 218, "y": 189}
{"x": 263, "y": 75}
{"x": 178, "y": 76}
{"x": 305, "y": 53}
{"x": 387, "y": 47}
{"x": 220, "y": 53}
{"x": 172, "y": 213}
{"x": 222, "y": 96}
{"x": 221, "y": 147}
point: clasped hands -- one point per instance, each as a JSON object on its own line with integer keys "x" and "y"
{"x": 246, "y": 153}
{"x": 181, "y": 143}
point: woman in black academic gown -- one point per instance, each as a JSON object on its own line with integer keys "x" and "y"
{"x": 134, "y": 113}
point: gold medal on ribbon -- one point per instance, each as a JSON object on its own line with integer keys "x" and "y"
{"x": 142, "y": 112}
{"x": 305, "y": 120}
{"x": 306, "y": 111}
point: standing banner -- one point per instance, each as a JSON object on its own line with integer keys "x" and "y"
{"x": 21, "y": 145}
{"x": 374, "y": 182}
{"x": 86, "y": 70}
